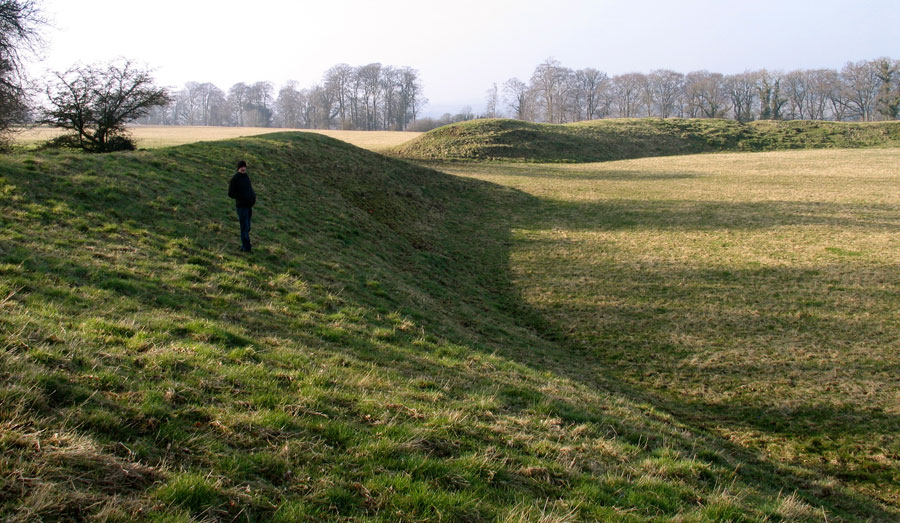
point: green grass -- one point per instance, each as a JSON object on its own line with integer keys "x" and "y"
{"x": 392, "y": 351}
{"x": 618, "y": 139}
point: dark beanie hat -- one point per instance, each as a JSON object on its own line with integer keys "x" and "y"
{"x": 241, "y": 163}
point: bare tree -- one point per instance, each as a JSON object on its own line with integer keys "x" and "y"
{"x": 667, "y": 87}
{"x": 861, "y": 83}
{"x": 334, "y": 97}
{"x": 159, "y": 115}
{"x": 339, "y": 79}
{"x": 646, "y": 95}
{"x": 189, "y": 104}
{"x": 888, "y": 101}
{"x": 410, "y": 96}
{"x": 742, "y": 92}
{"x": 319, "y": 107}
{"x": 328, "y": 100}
{"x": 550, "y": 81}
{"x": 817, "y": 93}
{"x": 237, "y": 102}
{"x": 589, "y": 83}
{"x": 369, "y": 77}
{"x": 838, "y": 102}
{"x": 215, "y": 111}
{"x": 19, "y": 20}
{"x": 771, "y": 99}
{"x": 258, "y": 104}
{"x": 492, "y": 100}
{"x": 606, "y": 98}
{"x": 518, "y": 98}
{"x": 627, "y": 89}
{"x": 390, "y": 88}
{"x": 796, "y": 87}
{"x": 289, "y": 106}
{"x": 707, "y": 92}
{"x": 95, "y": 103}
{"x": 310, "y": 108}
{"x": 577, "y": 99}
{"x": 465, "y": 114}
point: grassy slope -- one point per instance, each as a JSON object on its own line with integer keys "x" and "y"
{"x": 617, "y": 139}
{"x": 372, "y": 360}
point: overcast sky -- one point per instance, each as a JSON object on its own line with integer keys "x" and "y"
{"x": 462, "y": 47}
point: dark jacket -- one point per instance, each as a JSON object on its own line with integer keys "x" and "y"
{"x": 241, "y": 190}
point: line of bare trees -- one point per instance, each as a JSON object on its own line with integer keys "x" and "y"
{"x": 368, "y": 97}
{"x": 861, "y": 91}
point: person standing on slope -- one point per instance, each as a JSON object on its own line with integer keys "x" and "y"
{"x": 241, "y": 190}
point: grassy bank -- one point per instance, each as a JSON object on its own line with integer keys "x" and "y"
{"x": 618, "y": 139}
{"x": 391, "y": 351}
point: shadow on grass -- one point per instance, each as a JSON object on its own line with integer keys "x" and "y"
{"x": 549, "y": 171}
{"x": 808, "y": 422}
{"x": 693, "y": 215}
{"x": 646, "y": 312}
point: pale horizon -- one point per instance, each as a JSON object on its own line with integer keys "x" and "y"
{"x": 460, "y": 50}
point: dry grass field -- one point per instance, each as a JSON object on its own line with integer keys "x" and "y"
{"x": 753, "y": 294}
{"x": 153, "y": 136}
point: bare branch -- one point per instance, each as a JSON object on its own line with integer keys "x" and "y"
{"x": 96, "y": 103}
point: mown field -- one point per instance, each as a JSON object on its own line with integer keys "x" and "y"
{"x": 700, "y": 338}
{"x": 753, "y": 295}
{"x": 154, "y": 136}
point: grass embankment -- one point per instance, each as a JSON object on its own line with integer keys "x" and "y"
{"x": 619, "y": 139}
{"x": 373, "y": 359}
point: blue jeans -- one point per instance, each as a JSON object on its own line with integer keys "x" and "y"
{"x": 244, "y": 215}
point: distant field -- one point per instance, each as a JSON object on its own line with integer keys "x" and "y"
{"x": 755, "y": 294}
{"x": 152, "y": 136}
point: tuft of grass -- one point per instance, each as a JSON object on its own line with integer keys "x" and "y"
{"x": 193, "y": 492}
